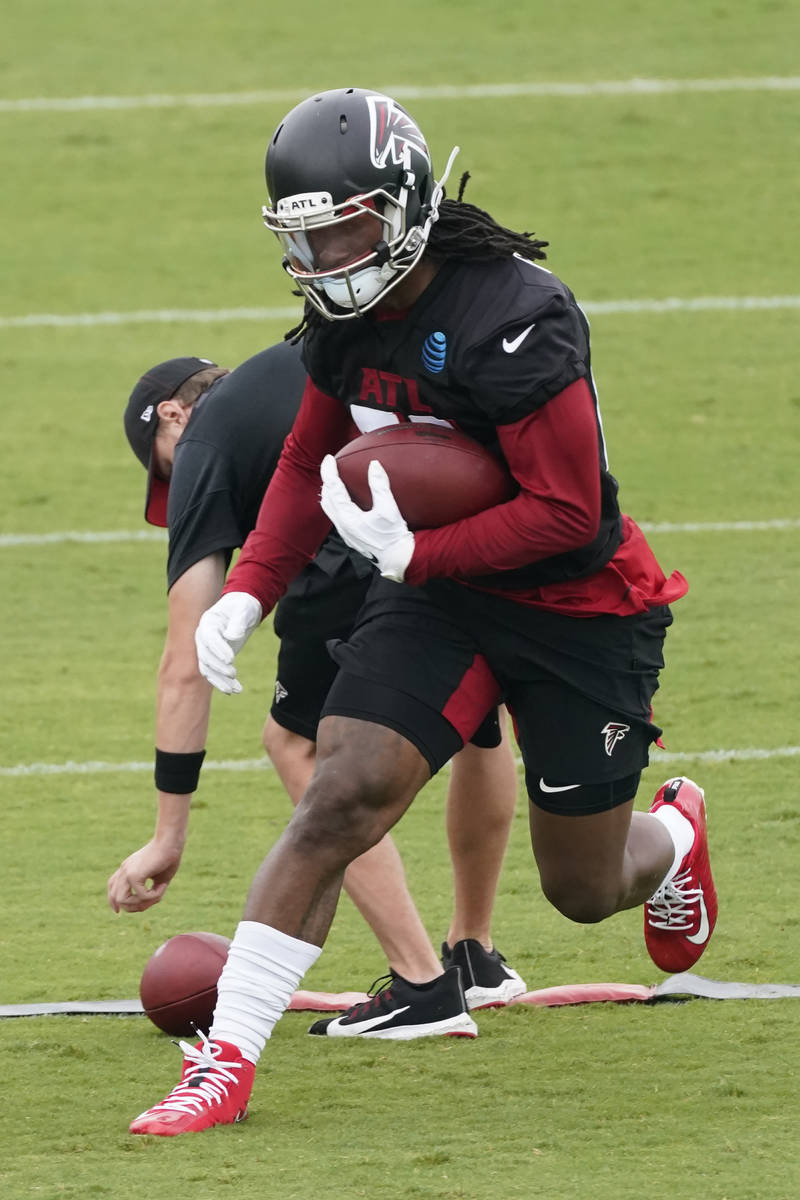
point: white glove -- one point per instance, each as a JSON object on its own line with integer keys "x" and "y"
{"x": 381, "y": 534}
{"x": 222, "y": 631}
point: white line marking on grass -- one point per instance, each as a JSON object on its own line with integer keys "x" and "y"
{"x": 106, "y": 768}
{"x": 162, "y": 316}
{"x": 263, "y": 764}
{"x": 478, "y": 91}
{"x": 680, "y": 304}
{"x": 9, "y": 540}
{"x": 719, "y": 526}
{"x": 50, "y": 539}
{"x": 713, "y": 756}
{"x": 158, "y": 316}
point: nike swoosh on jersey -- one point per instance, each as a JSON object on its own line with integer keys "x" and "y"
{"x": 511, "y": 346}
{"x": 374, "y": 1022}
{"x": 567, "y": 787}
{"x": 702, "y": 934}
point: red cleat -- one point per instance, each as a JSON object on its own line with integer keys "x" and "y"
{"x": 214, "y": 1090}
{"x": 680, "y": 917}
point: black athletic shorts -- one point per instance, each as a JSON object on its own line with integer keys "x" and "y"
{"x": 318, "y": 608}
{"x": 426, "y": 661}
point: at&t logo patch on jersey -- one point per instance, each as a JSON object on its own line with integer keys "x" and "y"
{"x": 434, "y": 352}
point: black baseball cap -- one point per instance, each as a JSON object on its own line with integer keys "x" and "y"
{"x": 141, "y": 421}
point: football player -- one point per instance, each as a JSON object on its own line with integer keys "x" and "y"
{"x": 553, "y": 600}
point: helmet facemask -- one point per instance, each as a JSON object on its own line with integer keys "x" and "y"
{"x": 355, "y": 285}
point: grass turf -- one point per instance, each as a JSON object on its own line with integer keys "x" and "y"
{"x": 686, "y": 195}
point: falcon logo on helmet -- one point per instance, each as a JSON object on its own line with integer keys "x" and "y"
{"x": 393, "y": 134}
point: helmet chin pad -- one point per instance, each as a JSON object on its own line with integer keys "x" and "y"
{"x": 358, "y": 290}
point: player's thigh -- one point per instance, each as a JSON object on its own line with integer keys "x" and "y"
{"x": 365, "y": 777}
{"x": 407, "y": 667}
{"x": 582, "y": 859}
{"x": 583, "y": 761}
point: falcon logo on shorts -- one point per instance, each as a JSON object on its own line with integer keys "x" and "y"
{"x": 614, "y": 733}
{"x": 280, "y": 691}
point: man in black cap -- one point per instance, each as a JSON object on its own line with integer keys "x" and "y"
{"x": 210, "y": 440}
{"x": 181, "y": 381}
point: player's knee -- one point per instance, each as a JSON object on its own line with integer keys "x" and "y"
{"x": 285, "y": 747}
{"x": 579, "y": 879}
{"x": 341, "y": 813}
{"x": 273, "y": 737}
{"x": 268, "y": 737}
{"x": 579, "y": 901}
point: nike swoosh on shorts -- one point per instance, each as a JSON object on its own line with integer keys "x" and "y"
{"x": 567, "y": 787}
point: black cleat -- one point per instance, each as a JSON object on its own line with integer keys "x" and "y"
{"x": 489, "y": 982}
{"x": 403, "y": 1011}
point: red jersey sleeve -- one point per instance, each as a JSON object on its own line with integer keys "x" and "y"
{"x": 554, "y": 455}
{"x": 291, "y": 526}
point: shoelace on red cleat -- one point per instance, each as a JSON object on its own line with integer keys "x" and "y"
{"x": 205, "y": 1079}
{"x": 672, "y": 908}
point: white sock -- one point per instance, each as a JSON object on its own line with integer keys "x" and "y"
{"x": 263, "y": 969}
{"x": 681, "y": 830}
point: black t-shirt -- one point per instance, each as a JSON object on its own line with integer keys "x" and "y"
{"x": 226, "y": 456}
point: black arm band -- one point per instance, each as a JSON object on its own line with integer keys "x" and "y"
{"x": 178, "y": 773}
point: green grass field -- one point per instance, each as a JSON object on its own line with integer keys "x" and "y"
{"x": 120, "y": 212}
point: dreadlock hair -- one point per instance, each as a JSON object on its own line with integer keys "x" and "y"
{"x": 462, "y": 232}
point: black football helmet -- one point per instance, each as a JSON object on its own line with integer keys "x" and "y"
{"x": 341, "y": 156}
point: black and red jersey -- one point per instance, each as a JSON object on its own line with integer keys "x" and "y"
{"x": 485, "y": 345}
{"x": 501, "y": 351}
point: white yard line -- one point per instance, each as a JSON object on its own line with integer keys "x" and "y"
{"x": 49, "y": 539}
{"x": 105, "y": 768}
{"x": 162, "y": 316}
{"x": 156, "y": 316}
{"x": 719, "y": 526}
{"x": 10, "y": 540}
{"x": 751, "y": 754}
{"x": 478, "y": 91}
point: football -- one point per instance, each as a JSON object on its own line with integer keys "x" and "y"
{"x": 438, "y": 475}
{"x": 178, "y": 988}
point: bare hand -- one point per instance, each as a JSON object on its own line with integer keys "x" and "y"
{"x": 141, "y": 880}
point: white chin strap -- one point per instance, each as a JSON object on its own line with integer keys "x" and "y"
{"x": 359, "y": 289}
